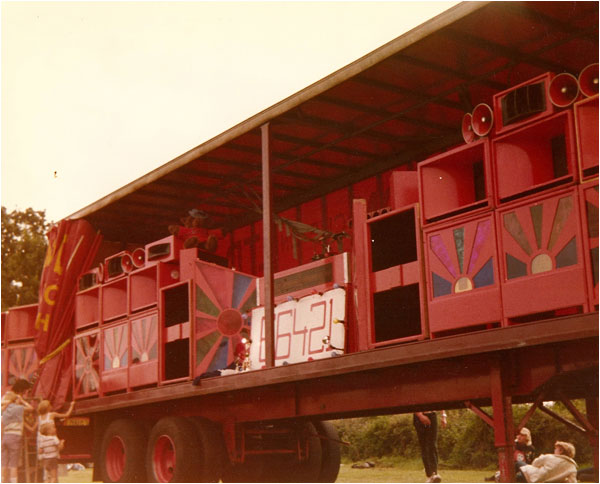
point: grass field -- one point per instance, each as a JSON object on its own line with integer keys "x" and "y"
{"x": 348, "y": 474}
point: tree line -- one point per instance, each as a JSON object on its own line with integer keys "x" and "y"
{"x": 466, "y": 443}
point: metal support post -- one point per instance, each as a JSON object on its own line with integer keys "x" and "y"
{"x": 503, "y": 422}
{"x": 265, "y": 132}
{"x": 591, "y": 410}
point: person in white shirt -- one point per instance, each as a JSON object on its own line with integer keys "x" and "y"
{"x": 49, "y": 447}
{"x": 557, "y": 467}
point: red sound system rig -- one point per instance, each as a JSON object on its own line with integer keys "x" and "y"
{"x": 495, "y": 233}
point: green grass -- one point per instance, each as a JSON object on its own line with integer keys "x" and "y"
{"x": 403, "y": 474}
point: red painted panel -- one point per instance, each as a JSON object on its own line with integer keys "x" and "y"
{"x": 22, "y": 363}
{"x": 164, "y": 250}
{"x": 586, "y": 126}
{"x": 86, "y": 371}
{"x": 20, "y": 322}
{"x": 456, "y": 182}
{"x": 223, "y": 300}
{"x": 536, "y": 157}
{"x": 311, "y": 213}
{"x": 339, "y": 215}
{"x": 143, "y": 369}
{"x": 87, "y": 307}
{"x": 540, "y": 245}
{"x": 143, "y": 288}
{"x": 369, "y": 190}
{"x": 115, "y": 357}
{"x": 286, "y": 255}
{"x": 404, "y": 188}
{"x": 588, "y": 196}
{"x": 463, "y": 287}
{"x": 114, "y": 299}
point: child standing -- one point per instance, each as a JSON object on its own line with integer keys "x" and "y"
{"x": 13, "y": 409}
{"x": 49, "y": 447}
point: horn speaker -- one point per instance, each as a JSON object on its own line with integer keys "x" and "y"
{"x": 563, "y": 90}
{"x": 467, "y": 128}
{"x": 483, "y": 119}
{"x": 138, "y": 257}
{"x": 588, "y": 80}
{"x": 127, "y": 262}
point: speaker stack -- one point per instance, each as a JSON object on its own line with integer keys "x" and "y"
{"x": 538, "y": 215}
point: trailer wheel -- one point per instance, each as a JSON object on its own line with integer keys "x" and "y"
{"x": 285, "y": 469}
{"x": 122, "y": 452}
{"x": 174, "y": 453}
{"x": 331, "y": 456}
{"x": 212, "y": 451}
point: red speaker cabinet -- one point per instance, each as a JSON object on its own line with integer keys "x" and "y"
{"x": 114, "y": 299}
{"x": 456, "y": 183}
{"x": 115, "y": 357}
{"x": 224, "y": 299}
{"x": 22, "y": 363}
{"x": 522, "y": 104}
{"x": 537, "y": 157}
{"x": 144, "y": 284}
{"x": 164, "y": 250}
{"x": 388, "y": 276}
{"x": 143, "y": 370}
{"x": 86, "y": 367}
{"x": 588, "y": 196}
{"x": 87, "y": 307}
{"x": 463, "y": 286}
{"x": 586, "y": 126}
{"x": 404, "y": 188}
{"x": 542, "y": 262}
{"x": 20, "y": 323}
{"x": 117, "y": 266}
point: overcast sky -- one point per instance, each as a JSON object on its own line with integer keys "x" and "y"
{"x": 96, "y": 94}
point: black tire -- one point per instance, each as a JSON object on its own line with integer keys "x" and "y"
{"x": 122, "y": 452}
{"x": 174, "y": 453}
{"x": 288, "y": 469}
{"x": 331, "y": 455}
{"x": 212, "y": 451}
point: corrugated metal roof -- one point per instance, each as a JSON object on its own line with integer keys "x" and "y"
{"x": 394, "y": 106}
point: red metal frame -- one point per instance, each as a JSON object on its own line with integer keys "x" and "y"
{"x": 404, "y": 188}
{"x": 536, "y": 236}
{"x": 523, "y": 159}
{"x": 449, "y": 182}
{"x": 588, "y": 198}
{"x": 586, "y": 127}
{"x": 463, "y": 285}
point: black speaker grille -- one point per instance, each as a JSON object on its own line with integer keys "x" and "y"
{"x": 114, "y": 268}
{"x": 159, "y": 251}
{"x": 523, "y": 102}
{"x": 87, "y": 280}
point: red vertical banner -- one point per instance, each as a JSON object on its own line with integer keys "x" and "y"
{"x": 72, "y": 246}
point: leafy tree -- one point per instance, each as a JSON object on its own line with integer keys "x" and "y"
{"x": 23, "y": 251}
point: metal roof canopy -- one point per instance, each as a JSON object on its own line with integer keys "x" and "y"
{"x": 395, "y": 106}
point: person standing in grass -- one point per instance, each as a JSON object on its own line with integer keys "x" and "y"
{"x": 426, "y": 425}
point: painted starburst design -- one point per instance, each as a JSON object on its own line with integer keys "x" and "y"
{"x": 87, "y": 365}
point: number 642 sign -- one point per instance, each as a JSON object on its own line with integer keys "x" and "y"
{"x": 306, "y": 329}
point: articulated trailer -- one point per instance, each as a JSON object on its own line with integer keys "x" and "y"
{"x": 412, "y": 232}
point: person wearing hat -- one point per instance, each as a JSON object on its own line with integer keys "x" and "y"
{"x": 557, "y": 467}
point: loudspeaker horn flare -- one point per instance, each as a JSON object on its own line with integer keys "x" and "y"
{"x": 139, "y": 257}
{"x": 563, "y": 90}
{"x": 483, "y": 119}
{"x": 588, "y": 80}
{"x": 467, "y": 128}
{"x": 126, "y": 263}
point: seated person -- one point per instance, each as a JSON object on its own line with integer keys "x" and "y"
{"x": 557, "y": 467}
{"x": 194, "y": 231}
